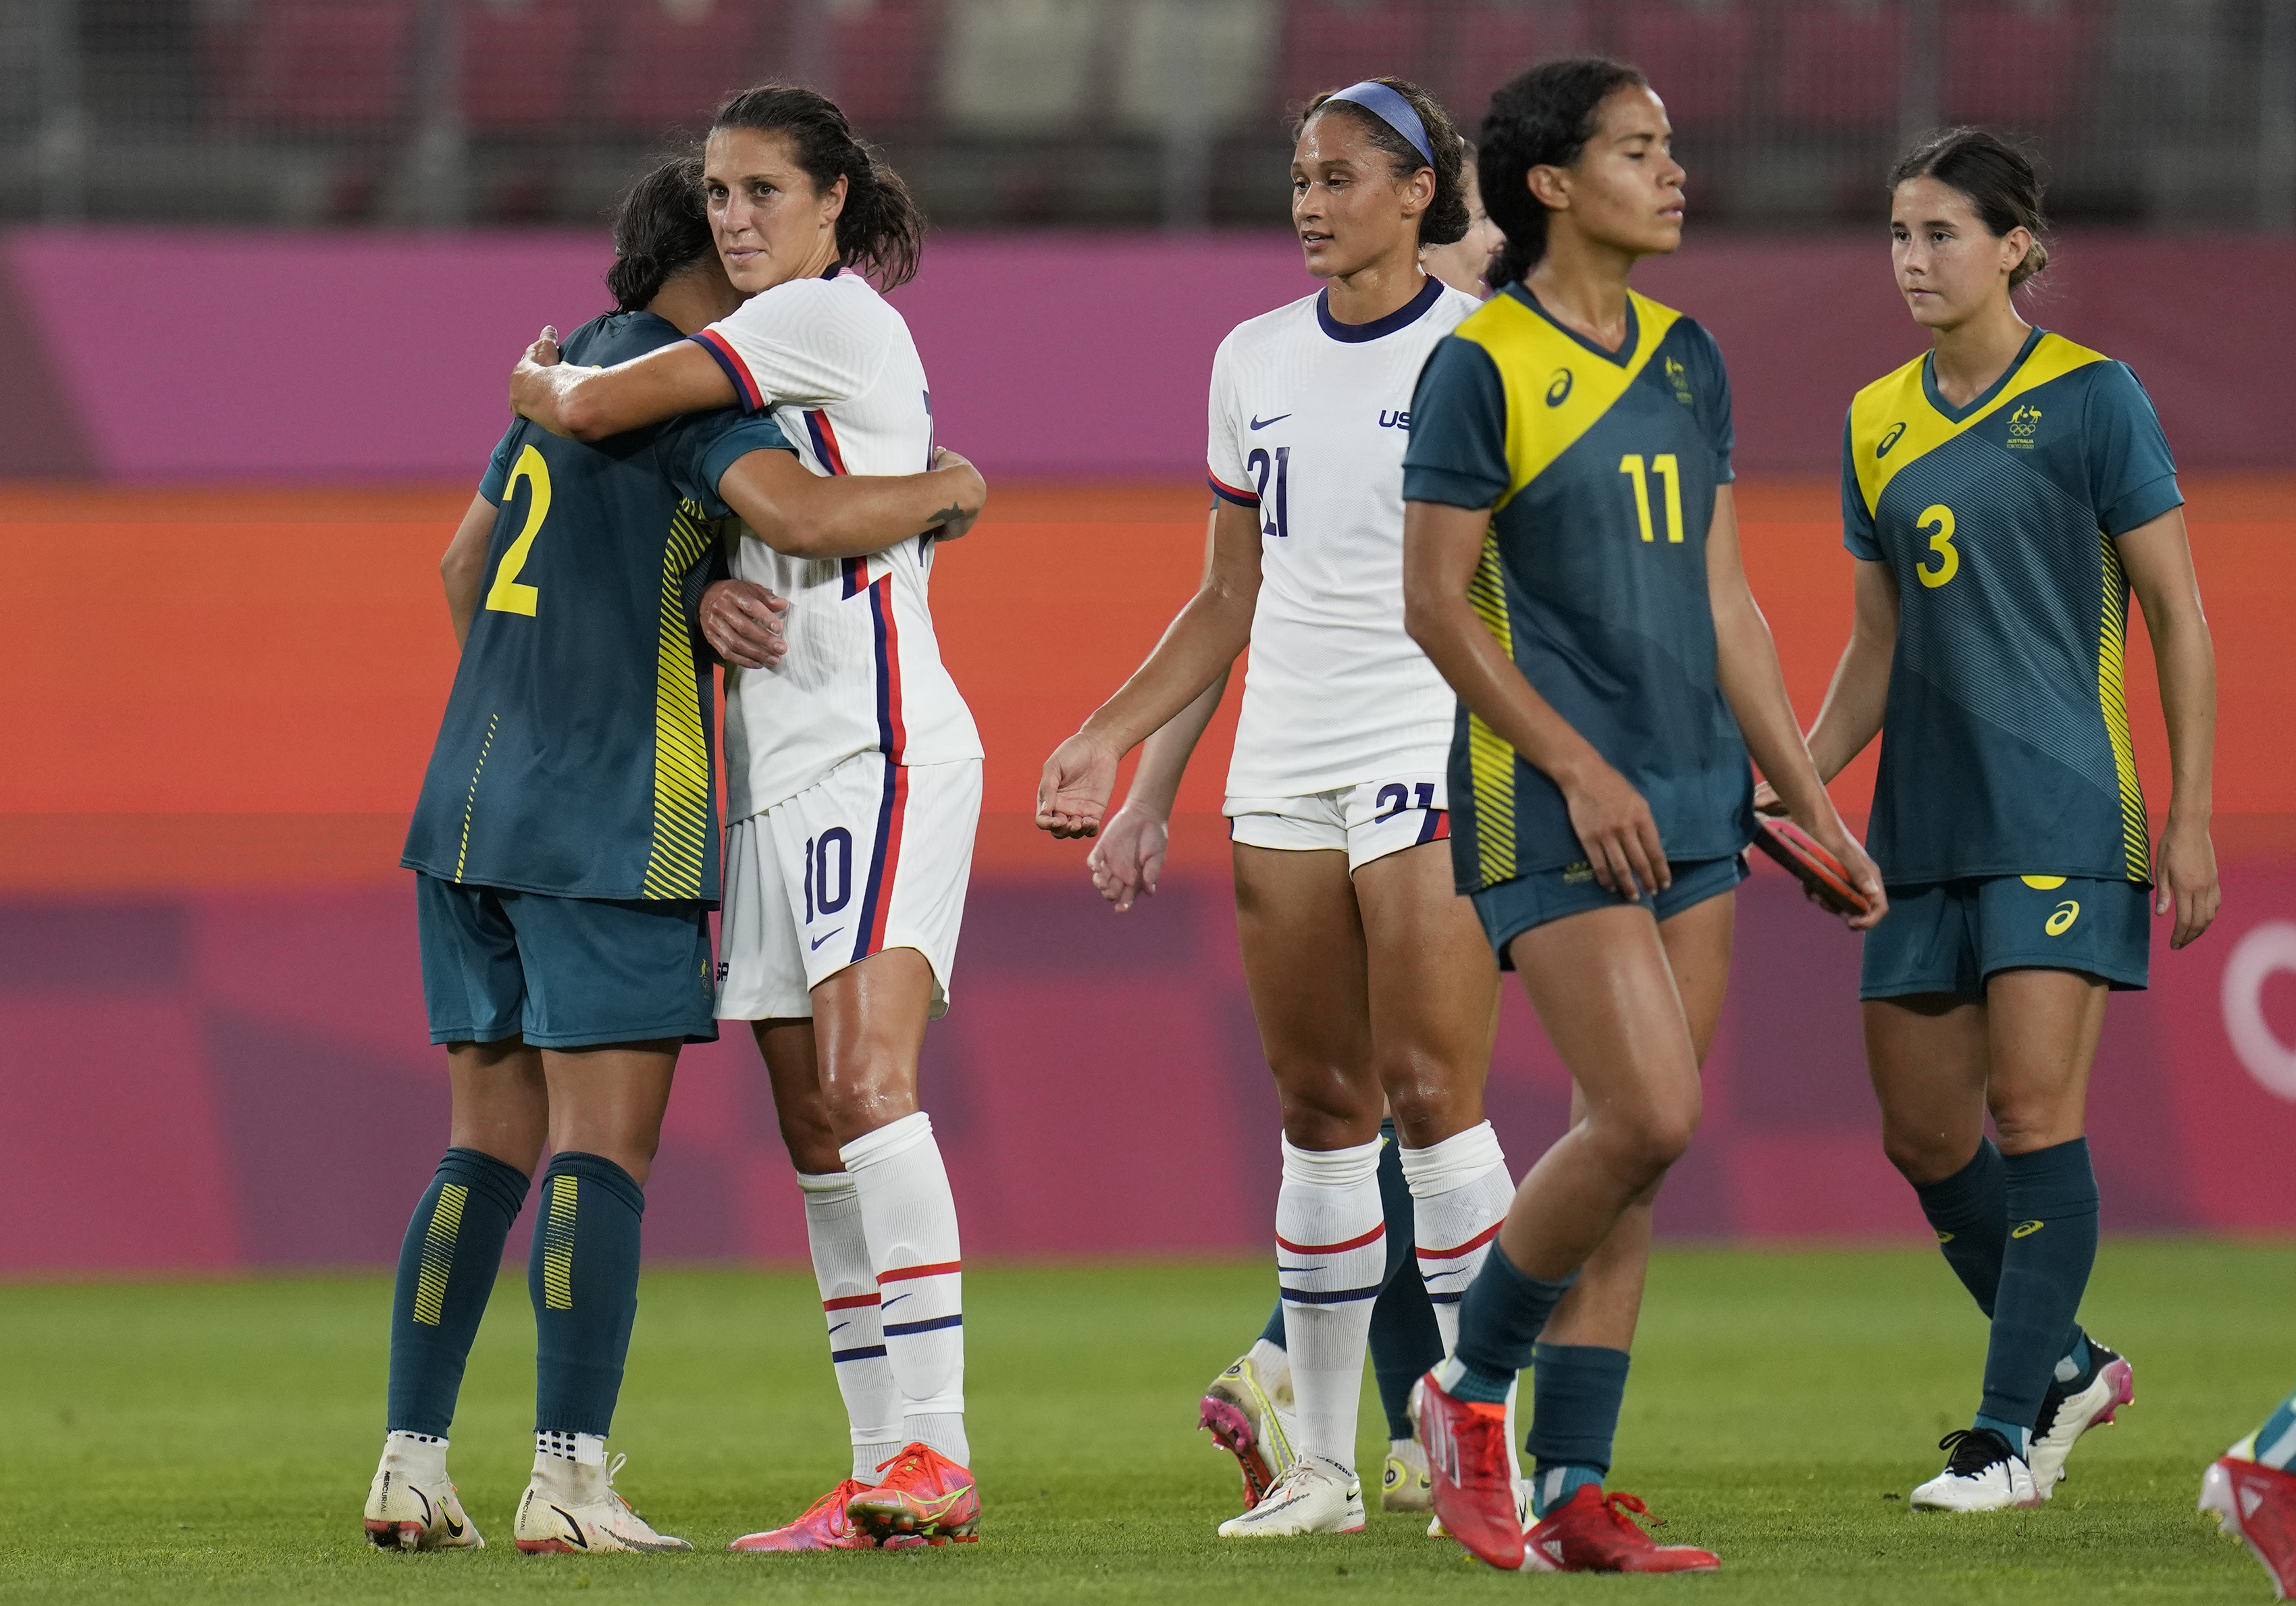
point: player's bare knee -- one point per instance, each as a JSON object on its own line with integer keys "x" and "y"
{"x": 1426, "y": 1108}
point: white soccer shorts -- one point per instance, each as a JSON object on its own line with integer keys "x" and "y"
{"x": 873, "y": 855}
{"x": 1368, "y": 821}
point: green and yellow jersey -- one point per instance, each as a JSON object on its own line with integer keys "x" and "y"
{"x": 575, "y": 757}
{"x": 2004, "y": 742}
{"x": 1600, "y": 469}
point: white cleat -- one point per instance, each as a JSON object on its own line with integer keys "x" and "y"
{"x": 1984, "y": 1475}
{"x": 412, "y": 1503}
{"x": 571, "y": 1508}
{"x": 1245, "y": 1415}
{"x": 1313, "y": 1496}
{"x": 2065, "y": 1417}
{"x": 1404, "y": 1484}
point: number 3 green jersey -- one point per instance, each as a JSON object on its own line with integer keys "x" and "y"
{"x": 574, "y": 758}
{"x": 1600, "y": 469}
{"x": 2005, "y": 744}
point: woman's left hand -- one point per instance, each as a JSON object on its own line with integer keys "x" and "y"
{"x": 2184, "y": 879}
{"x": 1072, "y": 794}
{"x": 1831, "y": 834}
{"x": 527, "y": 379}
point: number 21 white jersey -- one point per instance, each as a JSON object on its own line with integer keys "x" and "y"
{"x": 836, "y": 366}
{"x": 1309, "y": 418}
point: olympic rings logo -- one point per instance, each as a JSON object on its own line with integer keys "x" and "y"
{"x": 2269, "y": 948}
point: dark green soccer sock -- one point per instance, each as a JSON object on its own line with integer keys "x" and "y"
{"x": 1969, "y": 1212}
{"x": 1406, "y": 1343}
{"x": 446, "y": 1268}
{"x": 1576, "y": 1391}
{"x": 1500, "y": 1318}
{"x": 2053, "y": 1215}
{"x": 583, "y": 1276}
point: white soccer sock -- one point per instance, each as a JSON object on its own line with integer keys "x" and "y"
{"x": 419, "y": 1456}
{"x": 849, "y": 1299}
{"x": 1460, "y": 1191}
{"x": 1331, "y": 1254}
{"x": 910, "y": 1218}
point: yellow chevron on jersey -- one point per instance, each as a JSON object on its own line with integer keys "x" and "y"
{"x": 1892, "y": 422}
{"x": 1556, "y": 388}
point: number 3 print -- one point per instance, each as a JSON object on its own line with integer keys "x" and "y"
{"x": 1937, "y": 521}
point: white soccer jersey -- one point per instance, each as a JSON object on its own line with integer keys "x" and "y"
{"x": 1308, "y": 422}
{"x": 834, "y": 364}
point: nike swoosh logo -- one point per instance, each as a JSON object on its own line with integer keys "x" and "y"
{"x": 819, "y": 941}
{"x": 573, "y": 1528}
{"x": 896, "y": 1300}
{"x": 1261, "y": 423}
{"x": 453, "y": 1529}
{"x": 841, "y": 1327}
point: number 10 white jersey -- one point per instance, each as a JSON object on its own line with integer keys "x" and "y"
{"x": 1309, "y": 418}
{"x": 834, "y": 364}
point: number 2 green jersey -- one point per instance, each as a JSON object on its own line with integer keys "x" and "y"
{"x": 574, "y": 758}
{"x": 2004, "y": 742}
{"x": 1600, "y": 469}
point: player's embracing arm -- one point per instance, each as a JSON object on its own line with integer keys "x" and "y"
{"x": 464, "y": 569}
{"x": 2132, "y": 484}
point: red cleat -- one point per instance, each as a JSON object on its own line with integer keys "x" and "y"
{"x": 1473, "y": 1484}
{"x": 1591, "y": 1532}
{"x": 824, "y": 1526}
{"x": 2258, "y": 1503}
{"x": 925, "y": 1499}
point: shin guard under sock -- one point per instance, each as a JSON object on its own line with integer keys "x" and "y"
{"x": 1331, "y": 1256}
{"x": 1460, "y": 1191}
{"x": 910, "y": 1218}
{"x": 446, "y": 1270}
{"x": 2053, "y": 1215}
{"x": 1969, "y": 1212}
{"x": 1500, "y": 1318}
{"x": 583, "y": 1277}
{"x": 1405, "y": 1341}
{"x": 1575, "y": 1393}
{"x": 848, "y": 1282}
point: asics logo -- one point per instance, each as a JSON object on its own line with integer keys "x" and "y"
{"x": 1889, "y": 440}
{"x": 2061, "y": 921}
{"x": 1558, "y": 388}
{"x": 2025, "y": 1229}
{"x": 1944, "y": 1237}
{"x": 1261, "y": 423}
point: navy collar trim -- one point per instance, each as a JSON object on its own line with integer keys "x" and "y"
{"x": 1624, "y": 355}
{"x": 1402, "y": 317}
{"x": 1952, "y": 414}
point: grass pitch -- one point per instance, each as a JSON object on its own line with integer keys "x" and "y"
{"x": 212, "y": 1442}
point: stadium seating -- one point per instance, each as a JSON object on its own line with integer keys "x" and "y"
{"x": 1837, "y": 66}
{"x": 1694, "y": 56}
{"x": 1488, "y": 44}
{"x": 1331, "y": 44}
{"x": 523, "y": 64}
{"x": 1017, "y": 67}
{"x": 281, "y": 64}
{"x": 879, "y": 56}
{"x": 669, "y": 63}
{"x": 2018, "y": 64}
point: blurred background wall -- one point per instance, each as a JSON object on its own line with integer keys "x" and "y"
{"x": 263, "y": 265}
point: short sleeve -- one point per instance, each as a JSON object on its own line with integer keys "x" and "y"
{"x": 698, "y": 448}
{"x": 1457, "y": 453}
{"x": 2132, "y": 477}
{"x": 808, "y": 343}
{"x": 1713, "y": 391}
{"x": 1224, "y": 461}
{"x": 1857, "y": 524}
{"x": 495, "y": 483}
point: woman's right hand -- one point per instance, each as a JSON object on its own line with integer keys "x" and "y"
{"x": 1616, "y": 828}
{"x": 968, "y": 494}
{"x": 1072, "y": 794}
{"x": 1129, "y": 855}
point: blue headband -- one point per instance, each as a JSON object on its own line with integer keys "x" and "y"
{"x": 1392, "y": 109}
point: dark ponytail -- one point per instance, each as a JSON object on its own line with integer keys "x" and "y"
{"x": 881, "y": 232}
{"x": 1445, "y": 220}
{"x": 1997, "y": 180}
{"x": 1543, "y": 118}
{"x": 660, "y": 231}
